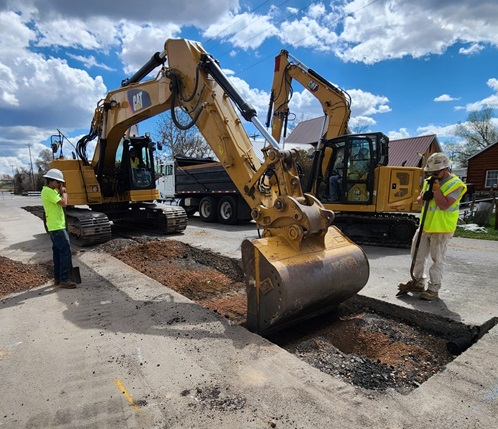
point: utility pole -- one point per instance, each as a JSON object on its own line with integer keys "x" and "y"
{"x": 13, "y": 180}
{"x": 31, "y": 167}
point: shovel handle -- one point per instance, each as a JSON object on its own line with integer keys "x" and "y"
{"x": 419, "y": 235}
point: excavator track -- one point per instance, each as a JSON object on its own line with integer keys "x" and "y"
{"x": 174, "y": 218}
{"x": 157, "y": 218}
{"x": 87, "y": 227}
{"x": 378, "y": 229}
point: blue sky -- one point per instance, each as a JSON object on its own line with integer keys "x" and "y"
{"x": 411, "y": 68}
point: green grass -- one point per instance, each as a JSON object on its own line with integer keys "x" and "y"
{"x": 492, "y": 233}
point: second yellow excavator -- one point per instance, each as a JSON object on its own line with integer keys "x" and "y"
{"x": 373, "y": 202}
{"x": 302, "y": 265}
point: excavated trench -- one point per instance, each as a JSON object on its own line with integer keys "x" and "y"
{"x": 370, "y": 344}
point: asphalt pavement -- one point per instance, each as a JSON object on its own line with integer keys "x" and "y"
{"x": 122, "y": 351}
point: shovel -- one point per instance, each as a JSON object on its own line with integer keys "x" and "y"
{"x": 75, "y": 275}
{"x": 417, "y": 244}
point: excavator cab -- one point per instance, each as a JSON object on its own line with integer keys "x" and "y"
{"x": 347, "y": 168}
{"x": 134, "y": 166}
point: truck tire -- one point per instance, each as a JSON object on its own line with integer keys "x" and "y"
{"x": 207, "y": 209}
{"x": 190, "y": 210}
{"x": 227, "y": 211}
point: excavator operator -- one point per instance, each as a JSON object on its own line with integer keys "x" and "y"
{"x": 134, "y": 160}
{"x": 360, "y": 164}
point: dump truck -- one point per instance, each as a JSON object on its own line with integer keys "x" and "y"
{"x": 202, "y": 185}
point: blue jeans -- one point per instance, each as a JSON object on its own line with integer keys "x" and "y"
{"x": 61, "y": 249}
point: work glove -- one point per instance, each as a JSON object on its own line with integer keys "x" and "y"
{"x": 428, "y": 195}
{"x": 433, "y": 182}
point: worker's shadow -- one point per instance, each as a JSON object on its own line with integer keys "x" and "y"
{"x": 19, "y": 298}
{"x": 99, "y": 304}
{"x": 437, "y": 306}
{"x": 39, "y": 245}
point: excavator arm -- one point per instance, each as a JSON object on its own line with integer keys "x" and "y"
{"x": 367, "y": 206}
{"x": 301, "y": 265}
{"x": 336, "y": 103}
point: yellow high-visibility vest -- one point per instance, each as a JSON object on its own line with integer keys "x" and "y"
{"x": 443, "y": 221}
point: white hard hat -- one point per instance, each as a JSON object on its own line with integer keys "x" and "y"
{"x": 55, "y": 174}
{"x": 437, "y": 161}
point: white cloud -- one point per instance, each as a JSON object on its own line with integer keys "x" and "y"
{"x": 307, "y": 32}
{"x": 488, "y": 102}
{"x": 493, "y": 84}
{"x": 139, "y": 42}
{"x": 90, "y": 61}
{"x": 402, "y": 133}
{"x": 444, "y": 131}
{"x": 363, "y": 123}
{"x": 366, "y": 103}
{"x": 245, "y": 31}
{"x": 445, "y": 97}
{"x": 197, "y": 12}
{"x": 473, "y": 49}
{"x": 377, "y": 31}
{"x": 316, "y": 10}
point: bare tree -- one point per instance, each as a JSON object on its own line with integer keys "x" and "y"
{"x": 181, "y": 141}
{"x": 478, "y": 132}
{"x": 43, "y": 161}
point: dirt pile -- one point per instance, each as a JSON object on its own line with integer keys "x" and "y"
{"x": 16, "y": 276}
{"x": 212, "y": 280}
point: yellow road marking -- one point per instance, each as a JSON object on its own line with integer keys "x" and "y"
{"x": 119, "y": 384}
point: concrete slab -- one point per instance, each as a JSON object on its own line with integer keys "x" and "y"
{"x": 124, "y": 351}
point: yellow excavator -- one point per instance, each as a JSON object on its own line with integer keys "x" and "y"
{"x": 302, "y": 265}
{"x": 111, "y": 188}
{"x": 373, "y": 202}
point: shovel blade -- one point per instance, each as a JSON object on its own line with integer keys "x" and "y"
{"x": 75, "y": 275}
{"x": 285, "y": 285}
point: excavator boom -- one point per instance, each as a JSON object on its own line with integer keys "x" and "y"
{"x": 372, "y": 204}
{"x": 302, "y": 265}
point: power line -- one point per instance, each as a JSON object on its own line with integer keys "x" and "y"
{"x": 31, "y": 166}
{"x": 309, "y": 35}
{"x": 236, "y": 22}
{"x": 279, "y": 22}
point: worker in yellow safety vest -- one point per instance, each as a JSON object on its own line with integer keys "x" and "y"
{"x": 442, "y": 192}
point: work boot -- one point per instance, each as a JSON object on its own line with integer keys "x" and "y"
{"x": 429, "y": 295}
{"x": 57, "y": 282}
{"x": 410, "y": 286}
{"x": 68, "y": 285}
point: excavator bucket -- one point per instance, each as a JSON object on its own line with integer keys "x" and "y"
{"x": 285, "y": 285}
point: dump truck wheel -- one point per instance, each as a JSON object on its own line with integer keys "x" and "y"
{"x": 207, "y": 209}
{"x": 190, "y": 210}
{"x": 227, "y": 211}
